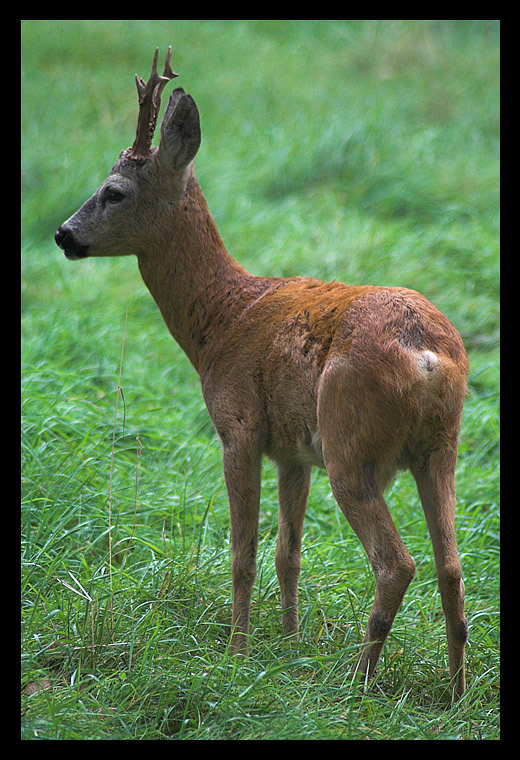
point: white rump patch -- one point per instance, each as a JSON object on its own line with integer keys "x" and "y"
{"x": 427, "y": 361}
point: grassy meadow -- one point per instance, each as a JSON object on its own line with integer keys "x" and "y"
{"x": 362, "y": 151}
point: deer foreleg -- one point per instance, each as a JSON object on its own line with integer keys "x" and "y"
{"x": 242, "y": 473}
{"x": 293, "y": 490}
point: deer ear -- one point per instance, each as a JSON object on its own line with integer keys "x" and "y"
{"x": 180, "y": 131}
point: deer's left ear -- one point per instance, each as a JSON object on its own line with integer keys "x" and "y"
{"x": 180, "y": 131}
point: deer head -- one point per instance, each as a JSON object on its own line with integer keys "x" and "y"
{"x": 145, "y": 183}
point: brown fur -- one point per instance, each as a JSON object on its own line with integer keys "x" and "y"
{"x": 358, "y": 380}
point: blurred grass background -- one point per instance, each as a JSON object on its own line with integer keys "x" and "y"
{"x": 363, "y": 151}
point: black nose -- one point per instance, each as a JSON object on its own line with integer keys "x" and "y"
{"x": 60, "y": 237}
{"x": 67, "y": 242}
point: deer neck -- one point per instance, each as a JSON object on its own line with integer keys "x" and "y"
{"x": 196, "y": 284}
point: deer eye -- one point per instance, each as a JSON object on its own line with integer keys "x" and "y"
{"x": 113, "y": 196}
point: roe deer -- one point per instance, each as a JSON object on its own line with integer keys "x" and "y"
{"x": 361, "y": 381}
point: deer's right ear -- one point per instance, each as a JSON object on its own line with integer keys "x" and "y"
{"x": 180, "y": 131}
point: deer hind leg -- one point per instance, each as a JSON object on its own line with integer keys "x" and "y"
{"x": 293, "y": 491}
{"x": 242, "y": 473}
{"x": 435, "y": 478}
{"x": 360, "y": 450}
{"x": 391, "y": 564}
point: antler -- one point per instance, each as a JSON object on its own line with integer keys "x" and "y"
{"x": 149, "y": 104}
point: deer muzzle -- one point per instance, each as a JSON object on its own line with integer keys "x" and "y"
{"x": 70, "y": 246}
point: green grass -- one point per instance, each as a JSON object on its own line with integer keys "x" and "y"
{"x": 361, "y": 151}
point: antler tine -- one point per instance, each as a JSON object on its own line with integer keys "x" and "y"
{"x": 149, "y": 94}
{"x": 168, "y": 65}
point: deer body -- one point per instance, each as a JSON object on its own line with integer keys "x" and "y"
{"x": 360, "y": 381}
